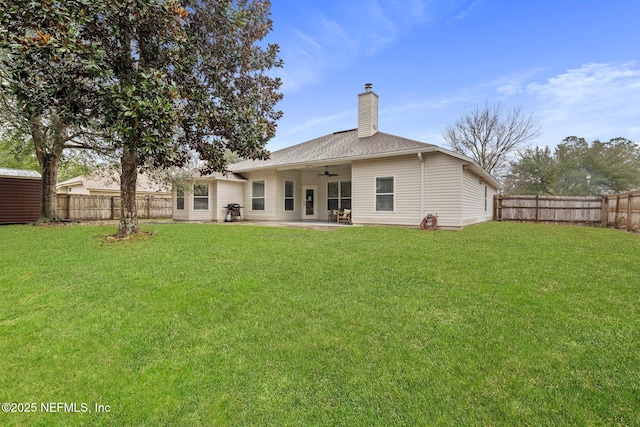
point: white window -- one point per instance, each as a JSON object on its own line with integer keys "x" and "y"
{"x": 180, "y": 198}
{"x": 338, "y": 195}
{"x": 485, "y": 198}
{"x": 384, "y": 194}
{"x": 289, "y": 191}
{"x": 257, "y": 195}
{"x": 200, "y": 196}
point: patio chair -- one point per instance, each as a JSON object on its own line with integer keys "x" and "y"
{"x": 344, "y": 216}
{"x": 333, "y": 215}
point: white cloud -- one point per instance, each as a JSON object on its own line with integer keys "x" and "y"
{"x": 340, "y": 37}
{"x": 593, "y": 101}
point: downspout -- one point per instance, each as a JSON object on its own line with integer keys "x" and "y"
{"x": 421, "y": 185}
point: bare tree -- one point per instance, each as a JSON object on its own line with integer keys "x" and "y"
{"x": 489, "y": 135}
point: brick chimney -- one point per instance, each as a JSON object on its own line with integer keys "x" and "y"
{"x": 367, "y": 112}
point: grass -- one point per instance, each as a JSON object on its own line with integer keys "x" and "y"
{"x": 199, "y": 324}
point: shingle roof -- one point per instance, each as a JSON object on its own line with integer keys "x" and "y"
{"x": 109, "y": 179}
{"x": 334, "y": 147}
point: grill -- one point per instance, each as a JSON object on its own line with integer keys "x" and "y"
{"x": 233, "y": 213}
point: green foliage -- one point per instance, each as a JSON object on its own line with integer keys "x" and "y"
{"x": 165, "y": 82}
{"x": 16, "y": 154}
{"x": 612, "y": 166}
{"x": 498, "y": 324}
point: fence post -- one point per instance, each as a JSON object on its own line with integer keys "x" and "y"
{"x": 615, "y": 215}
{"x": 629, "y": 212}
{"x": 604, "y": 204}
{"x": 69, "y": 206}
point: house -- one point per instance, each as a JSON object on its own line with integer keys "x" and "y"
{"x": 106, "y": 182}
{"x": 381, "y": 178}
{"x": 20, "y": 192}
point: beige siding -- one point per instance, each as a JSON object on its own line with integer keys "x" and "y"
{"x": 295, "y": 214}
{"x": 406, "y": 173}
{"x": 477, "y": 208}
{"x": 270, "y": 179}
{"x": 443, "y": 195}
{"x": 202, "y": 214}
{"x": 227, "y": 192}
{"x": 472, "y": 199}
{"x": 78, "y": 189}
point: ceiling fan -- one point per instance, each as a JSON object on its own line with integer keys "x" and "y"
{"x": 326, "y": 172}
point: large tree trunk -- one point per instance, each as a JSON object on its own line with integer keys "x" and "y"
{"x": 48, "y": 198}
{"x": 128, "y": 181}
{"x": 48, "y": 145}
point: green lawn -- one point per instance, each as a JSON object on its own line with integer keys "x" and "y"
{"x": 200, "y": 324}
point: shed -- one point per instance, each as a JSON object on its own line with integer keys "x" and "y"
{"x": 19, "y": 196}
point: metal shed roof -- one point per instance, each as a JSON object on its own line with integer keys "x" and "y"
{"x": 19, "y": 173}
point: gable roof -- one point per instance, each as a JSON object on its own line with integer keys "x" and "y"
{"x": 109, "y": 179}
{"x": 336, "y": 147}
{"x": 345, "y": 146}
{"x": 215, "y": 176}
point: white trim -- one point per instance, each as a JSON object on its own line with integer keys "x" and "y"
{"x": 194, "y": 197}
{"x": 263, "y": 197}
{"x": 314, "y": 188}
{"x": 350, "y": 159}
{"x": 184, "y": 198}
{"x": 285, "y": 198}
{"x": 375, "y": 195}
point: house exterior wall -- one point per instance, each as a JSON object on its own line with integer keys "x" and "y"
{"x": 227, "y": 192}
{"x": 406, "y": 173}
{"x": 78, "y": 188}
{"x": 443, "y": 183}
{"x": 201, "y": 214}
{"x": 221, "y": 193}
{"x": 477, "y": 204}
{"x": 455, "y": 194}
{"x": 296, "y": 213}
{"x": 271, "y": 180}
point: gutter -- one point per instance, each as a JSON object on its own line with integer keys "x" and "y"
{"x": 421, "y": 185}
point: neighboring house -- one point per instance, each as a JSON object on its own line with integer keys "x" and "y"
{"x": 381, "y": 178}
{"x": 19, "y": 196}
{"x": 107, "y": 183}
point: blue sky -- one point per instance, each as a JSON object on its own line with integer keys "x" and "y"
{"x": 574, "y": 64}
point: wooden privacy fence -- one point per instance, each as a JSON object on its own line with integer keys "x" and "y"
{"x": 90, "y": 208}
{"x": 616, "y": 210}
{"x": 622, "y": 210}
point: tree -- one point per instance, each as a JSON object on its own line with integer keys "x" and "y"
{"x": 533, "y": 173}
{"x": 47, "y": 71}
{"x": 15, "y": 153}
{"x": 489, "y": 135}
{"x": 188, "y": 81}
{"x": 164, "y": 82}
{"x": 612, "y": 167}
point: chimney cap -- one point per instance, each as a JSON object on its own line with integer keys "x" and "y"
{"x": 367, "y": 87}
